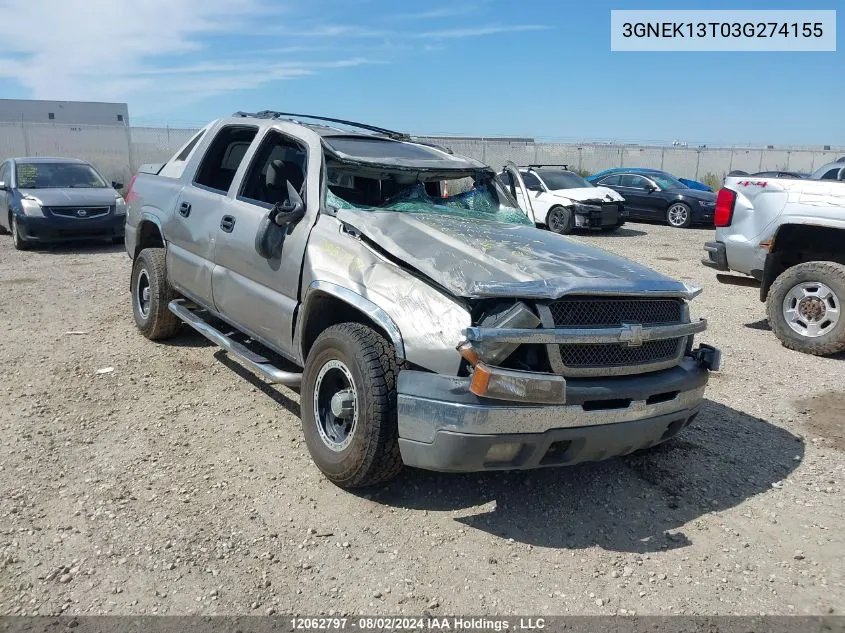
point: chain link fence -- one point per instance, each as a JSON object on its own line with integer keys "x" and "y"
{"x": 118, "y": 151}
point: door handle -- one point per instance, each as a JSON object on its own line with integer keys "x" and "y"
{"x": 227, "y": 224}
{"x": 185, "y": 209}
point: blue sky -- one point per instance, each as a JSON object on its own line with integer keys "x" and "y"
{"x": 538, "y": 68}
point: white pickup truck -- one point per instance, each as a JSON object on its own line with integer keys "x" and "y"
{"x": 789, "y": 234}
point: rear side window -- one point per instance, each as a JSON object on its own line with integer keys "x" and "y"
{"x": 633, "y": 181}
{"x": 224, "y": 156}
{"x": 183, "y": 155}
{"x": 610, "y": 180}
{"x": 831, "y": 175}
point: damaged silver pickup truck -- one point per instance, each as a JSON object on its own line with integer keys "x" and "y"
{"x": 440, "y": 331}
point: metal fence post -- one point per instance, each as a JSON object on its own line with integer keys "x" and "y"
{"x": 662, "y": 157}
{"x": 697, "y": 162}
{"x": 129, "y": 150}
{"x": 25, "y": 137}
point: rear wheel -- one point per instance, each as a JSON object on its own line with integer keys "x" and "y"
{"x": 560, "y": 220}
{"x": 18, "y": 240}
{"x": 349, "y": 406}
{"x": 804, "y": 307}
{"x": 679, "y": 215}
{"x": 150, "y": 295}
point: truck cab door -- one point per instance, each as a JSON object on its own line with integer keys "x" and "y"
{"x": 192, "y": 228}
{"x": 520, "y": 191}
{"x": 259, "y": 291}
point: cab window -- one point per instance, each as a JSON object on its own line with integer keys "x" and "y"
{"x": 224, "y": 156}
{"x": 279, "y": 160}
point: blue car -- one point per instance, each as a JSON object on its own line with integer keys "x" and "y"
{"x": 692, "y": 184}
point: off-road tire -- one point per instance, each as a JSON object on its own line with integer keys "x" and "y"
{"x": 372, "y": 456}
{"x": 159, "y": 323}
{"x": 829, "y": 273}
{"x": 566, "y": 224}
{"x": 19, "y": 242}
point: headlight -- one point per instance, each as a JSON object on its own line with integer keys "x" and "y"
{"x": 119, "y": 206}
{"x": 32, "y": 208}
{"x": 517, "y": 316}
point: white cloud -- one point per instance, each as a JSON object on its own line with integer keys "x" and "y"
{"x": 478, "y": 31}
{"x": 153, "y": 53}
{"x": 55, "y": 49}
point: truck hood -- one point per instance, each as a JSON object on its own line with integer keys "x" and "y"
{"x": 479, "y": 258}
{"x": 83, "y": 197}
{"x": 582, "y": 194}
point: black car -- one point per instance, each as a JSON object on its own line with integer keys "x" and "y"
{"x": 650, "y": 196}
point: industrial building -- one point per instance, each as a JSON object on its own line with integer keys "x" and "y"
{"x": 65, "y": 112}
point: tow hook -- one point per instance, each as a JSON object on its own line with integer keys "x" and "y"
{"x": 708, "y": 357}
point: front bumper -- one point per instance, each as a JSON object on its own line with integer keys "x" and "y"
{"x": 717, "y": 257}
{"x": 597, "y": 216}
{"x": 445, "y": 427}
{"x": 59, "y": 229}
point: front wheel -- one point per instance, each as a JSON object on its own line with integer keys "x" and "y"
{"x": 804, "y": 307}
{"x": 348, "y": 401}
{"x": 18, "y": 240}
{"x": 679, "y": 215}
{"x": 150, "y": 295}
{"x": 561, "y": 220}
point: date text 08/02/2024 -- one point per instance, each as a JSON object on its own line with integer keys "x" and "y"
{"x": 455, "y": 623}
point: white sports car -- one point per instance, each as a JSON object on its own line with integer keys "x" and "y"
{"x": 561, "y": 200}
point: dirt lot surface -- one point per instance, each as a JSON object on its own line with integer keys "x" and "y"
{"x": 177, "y": 483}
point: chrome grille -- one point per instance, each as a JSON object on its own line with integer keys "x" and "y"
{"x": 78, "y": 213}
{"x": 610, "y": 312}
{"x": 609, "y": 359}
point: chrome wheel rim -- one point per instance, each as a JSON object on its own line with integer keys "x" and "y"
{"x": 556, "y": 221}
{"x": 811, "y": 309}
{"x": 142, "y": 293}
{"x": 335, "y": 405}
{"x": 678, "y": 214}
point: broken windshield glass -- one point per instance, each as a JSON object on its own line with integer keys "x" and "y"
{"x": 481, "y": 200}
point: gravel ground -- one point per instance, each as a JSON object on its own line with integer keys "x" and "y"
{"x": 177, "y": 483}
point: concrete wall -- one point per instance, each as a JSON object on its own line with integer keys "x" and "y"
{"x": 118, "y": 150}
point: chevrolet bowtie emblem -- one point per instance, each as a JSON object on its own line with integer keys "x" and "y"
{"x": 632, "y": 334}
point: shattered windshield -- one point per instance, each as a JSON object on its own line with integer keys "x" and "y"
{"x": 479, "y": 197}
{"x": 58, "y": 176}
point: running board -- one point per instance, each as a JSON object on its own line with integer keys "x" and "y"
{"x": 257, "y": 363}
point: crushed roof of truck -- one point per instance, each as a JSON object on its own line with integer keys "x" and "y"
{"x": 375, "y": 146}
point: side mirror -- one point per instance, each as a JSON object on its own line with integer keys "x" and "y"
{"x": 4, "y": 186}
{"x": 650, "y": 188}
{"x": 289, "y": 211}
{"x": 274, "y": 227}
{"x": 116, "y": 185}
